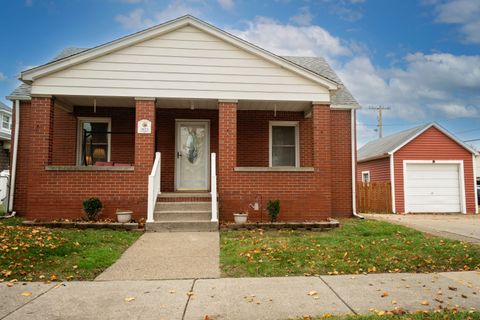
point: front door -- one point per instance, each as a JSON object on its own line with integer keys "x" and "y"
{"x": 192, "y": 150}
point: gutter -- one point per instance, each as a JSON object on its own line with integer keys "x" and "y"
{"x": 354, "y": 167}
{"x": 14, "y": 159}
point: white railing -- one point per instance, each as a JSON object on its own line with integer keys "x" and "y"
{"x": 153, "y": 186}
{"x": 213, "y": 187}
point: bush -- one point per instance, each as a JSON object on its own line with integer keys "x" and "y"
{"x": 92, "y": 208}
{"x": 273, "y": 207}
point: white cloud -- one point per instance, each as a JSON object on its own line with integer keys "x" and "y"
{"x": 226, "y": 4}
{"x": 287, "y": 39}
{"x": 464, "y": 13}
{"x": 303, "y": 18}
{"x": 2, "y": 76}
{"x": 435, "y": 85}
{"x": 139, "y": 18}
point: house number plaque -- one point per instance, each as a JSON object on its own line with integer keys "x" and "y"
{"x": 144, "y": 126}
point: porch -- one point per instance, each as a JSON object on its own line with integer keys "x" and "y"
{"x": 148, "y": 155}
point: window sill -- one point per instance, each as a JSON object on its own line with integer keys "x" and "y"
{"x": 274, "y": 169}
{"x": 89, "y": 168}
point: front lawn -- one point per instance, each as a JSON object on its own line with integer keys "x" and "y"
{"x": 38, "y": 253}
{"x": 358, "y": 246}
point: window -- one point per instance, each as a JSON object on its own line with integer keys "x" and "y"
{"x": 284, "y": 144}
{"x": 365, "y": 176}
{"x": 6, "y": 124}
{"x": 93, "y": 141}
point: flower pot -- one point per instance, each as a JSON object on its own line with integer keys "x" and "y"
{"x": 240, "y": 218}
{"x": 124, "y": 216}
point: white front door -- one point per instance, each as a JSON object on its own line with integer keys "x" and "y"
{"x": 433, "y": 187}
{"x": 192, "y": 150}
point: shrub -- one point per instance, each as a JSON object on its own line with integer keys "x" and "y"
{"x": 273, "y": 207}
{"x": 92, "y": 208}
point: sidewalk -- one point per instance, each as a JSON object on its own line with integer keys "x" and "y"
{"x": 240, "y": 298}
{"x": 168, "y": 255}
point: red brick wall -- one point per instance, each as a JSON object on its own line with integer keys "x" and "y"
{"x": 253, "y": 137}
{"x": 304, "y": 195}
{"x": 379, "y": 169}
{"x": 166, "y": 138}
{"x": 42, "y": 194}
{"x": 64, "y": 137}
{"x": 433, "y": 145}
{"x": 341, "y": 163}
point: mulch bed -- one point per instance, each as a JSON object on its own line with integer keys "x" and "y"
{"x": 84, "y": 225}
{"x": 311, "y": 226}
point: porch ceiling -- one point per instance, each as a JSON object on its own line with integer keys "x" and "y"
{"x": 184, "y": 103}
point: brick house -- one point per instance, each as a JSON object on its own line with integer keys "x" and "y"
{"x": 429, "y": 170}
{"x": 169, "y": 118}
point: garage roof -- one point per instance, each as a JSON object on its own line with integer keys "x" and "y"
{"x": 386, "y": 146}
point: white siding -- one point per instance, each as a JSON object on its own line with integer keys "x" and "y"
{"x": 185, "y": 63}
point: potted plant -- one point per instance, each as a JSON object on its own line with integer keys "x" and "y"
{"x": 273, "y": 207}
{"x": 240, "y": 217}
{"x": 124, "y": 216}
{"x": 92, "y": 208}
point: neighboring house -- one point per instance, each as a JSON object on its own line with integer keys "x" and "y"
{"x": 5, "y": 127}
{"x": 92, "y": 120}
{"x": 429, "y": 169}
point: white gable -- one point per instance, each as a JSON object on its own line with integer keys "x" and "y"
{"x": 184, "y": 63}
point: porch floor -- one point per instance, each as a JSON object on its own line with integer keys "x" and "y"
{"x": 178, "y": 255}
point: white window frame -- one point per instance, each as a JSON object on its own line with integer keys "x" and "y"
{"x": 368, "y": 175}
{"x": 297, "y": 141}
{"x": 80, "y": 121}
{"x": 9, "y": 122}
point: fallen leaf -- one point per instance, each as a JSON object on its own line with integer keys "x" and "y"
{"x": 189, "y": 293}
{"x": 452, "y": 288}
{"x": 26, "y": 294}
{"x": 384, "y": 294}
{"x": 425, "y": 303}
{"x": 312, "y": 293}
{"x": 128, "y": 299}
{"x": 9, "y": 284}
{"x": 394, "y": 302}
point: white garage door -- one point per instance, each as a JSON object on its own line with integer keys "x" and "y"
{"x": 432, "y": 187}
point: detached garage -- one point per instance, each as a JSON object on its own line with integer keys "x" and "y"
{"x": 428, "y": 169}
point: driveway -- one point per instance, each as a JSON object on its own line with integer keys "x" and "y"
{"x": 457, "y": 227}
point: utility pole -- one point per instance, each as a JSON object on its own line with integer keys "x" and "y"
{"x": 379, "y": 109}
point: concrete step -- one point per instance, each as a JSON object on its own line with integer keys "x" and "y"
{"x": 183, "y": 215}
{"x": 185, "y": 195}
{"x": 182, "y": 226}
{"x": 182, "y": 206}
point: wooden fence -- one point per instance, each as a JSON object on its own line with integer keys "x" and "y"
{"x": 374, "y": 197}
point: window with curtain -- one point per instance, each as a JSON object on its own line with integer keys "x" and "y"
{"x": 284, "y": 144}
{"x": 94, "y": 141}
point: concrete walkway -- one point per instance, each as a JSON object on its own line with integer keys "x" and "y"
{"x": 171, "y": 255}
{"x": 240, "y": 298}
{"x": 454, "y": 226}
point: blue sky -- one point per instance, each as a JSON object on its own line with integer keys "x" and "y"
{"x": 420, "y": 58}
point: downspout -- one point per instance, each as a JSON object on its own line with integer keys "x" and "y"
{"x": 354, "y": 166}
{"x": 14, "y": 159}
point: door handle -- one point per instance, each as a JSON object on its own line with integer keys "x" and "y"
{"x": 178, "y": 155}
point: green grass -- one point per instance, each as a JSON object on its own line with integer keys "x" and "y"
{"x": 447, "y": 315}
{"x": 37, "y": 253}
{"x": 359, "y": 246}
